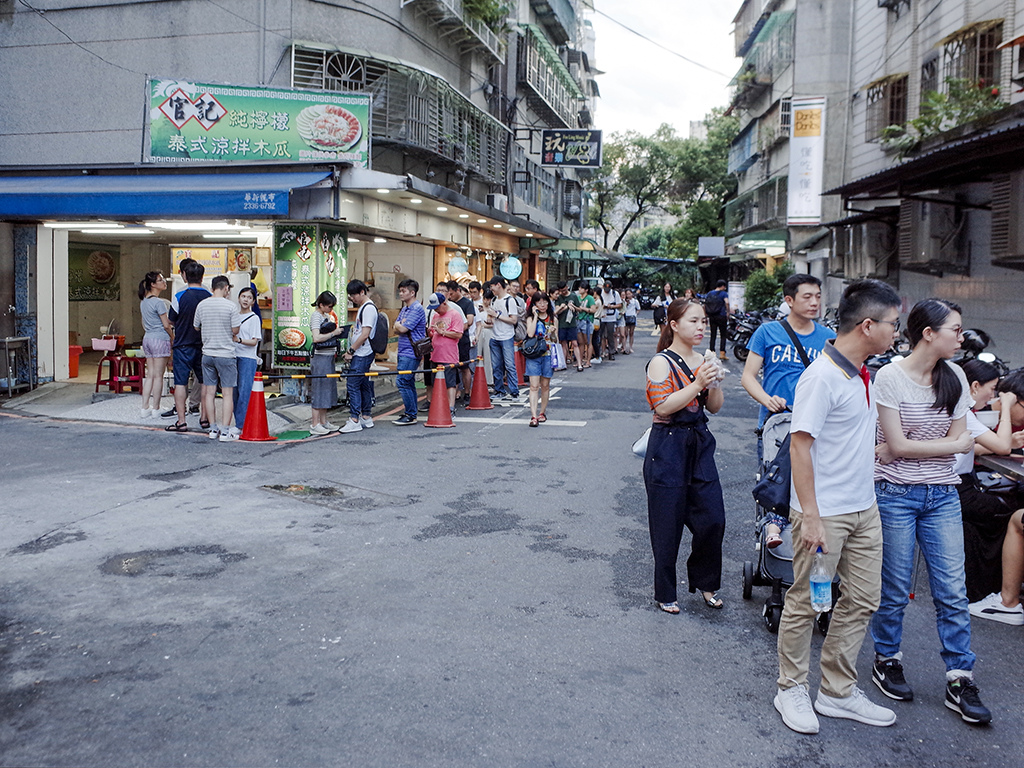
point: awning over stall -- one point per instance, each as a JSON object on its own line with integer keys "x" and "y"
{"x": 241, "y": 195}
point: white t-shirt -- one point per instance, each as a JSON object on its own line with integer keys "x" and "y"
{"x": 920, "y": 420}
{"x": 835, "y": 407}
{"x": 505, "y": 307}
{"x": 610, "y": 314}
{"x": 964, "y": 463}
{"x": 631, "y": 308}
{"x": 366, "y": 315}
{"x": 250, "y": 329}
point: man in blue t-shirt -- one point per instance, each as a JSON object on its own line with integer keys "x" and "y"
{"x": 773, "y": 353}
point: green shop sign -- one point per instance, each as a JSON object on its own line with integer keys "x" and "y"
{"x": 308, "y": 259}
{"x": 196, "y": 122}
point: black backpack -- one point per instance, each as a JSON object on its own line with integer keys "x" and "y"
{"x": 714, "y": 303}
{"x": 379, "y": 334}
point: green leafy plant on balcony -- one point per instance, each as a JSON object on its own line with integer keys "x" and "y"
{"x": 493, "y": 13}
{"x": 964, "y": 101}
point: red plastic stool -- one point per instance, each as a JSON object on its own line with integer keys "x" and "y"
{"x": 130, "y": 373}
{"x": 113, "y": 361}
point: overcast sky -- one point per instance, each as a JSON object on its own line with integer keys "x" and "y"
{"x": 645, "y": 86}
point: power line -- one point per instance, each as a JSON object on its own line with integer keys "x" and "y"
{"x": 664, "y": 48}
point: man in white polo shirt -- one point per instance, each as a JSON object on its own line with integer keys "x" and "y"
{"x": 833, "y": 507}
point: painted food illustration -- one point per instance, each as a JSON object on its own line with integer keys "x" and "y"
{"x": 292, "y": 338}
{"x": 242, "y": 261}
{"x": 325, "y": 126}
{"x": 101, "y": 267}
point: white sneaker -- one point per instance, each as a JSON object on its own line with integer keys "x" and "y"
{"x": 146, "y": 413}
{"x": 992, "y": 608}
{"x": 351, "y": 426}
{"x": 214, "y": 433}
{"x": 319, "y": 430}
{"x": 794, "y": 704}
{"x": 230, "y": 436}
{"x": 331, "y": 427}
{"x": 366, "y": 422}
{"x": 856, "y": 706}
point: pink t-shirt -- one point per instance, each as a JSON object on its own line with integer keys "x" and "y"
{"x": 446, "y": 350}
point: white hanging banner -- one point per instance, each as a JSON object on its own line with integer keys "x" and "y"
{"x": 806, "y": 161}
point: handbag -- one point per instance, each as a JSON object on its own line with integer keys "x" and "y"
{"x": 534, "y": 347}
{"x": 639, "y": 446}
{"x": 423, "y": 347}
{"x": 328, "y": 327}
{"x": 771, "y": 492}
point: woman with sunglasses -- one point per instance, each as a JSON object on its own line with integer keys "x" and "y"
{"x": 923, "y": 401}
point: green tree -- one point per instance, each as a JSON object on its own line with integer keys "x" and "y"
{"x": 763, "y": 290}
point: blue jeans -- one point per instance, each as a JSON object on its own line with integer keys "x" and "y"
{"x": 360, "y": 394}
{"x": 406, "y": 383}
{"x": 246, "y": 372}
{"x": 503, "y": 363}
{"x": 929, "y": 514}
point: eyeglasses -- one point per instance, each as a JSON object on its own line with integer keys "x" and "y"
{"x": 894, "y": 323}
{"x": 958, "y": 330}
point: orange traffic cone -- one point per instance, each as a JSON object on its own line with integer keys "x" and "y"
{"x": 439, "y": 415}
{"x": 255, "y": 428}
{"x": 479, "y": 399}
{"x": 520, "y": 367}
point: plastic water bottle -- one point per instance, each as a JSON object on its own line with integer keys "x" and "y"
{"x": 821, "y": 584}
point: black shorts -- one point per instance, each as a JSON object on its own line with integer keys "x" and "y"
{"x": 463, "y": 348}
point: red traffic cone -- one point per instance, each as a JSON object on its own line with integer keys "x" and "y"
{"x": 255, "y": 428}
{"x": 520, "y": 367}
{"x": 479, "y": 399}
{"x": 440, "y": 414}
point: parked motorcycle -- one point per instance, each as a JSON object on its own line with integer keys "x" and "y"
{"x": 975, "y": 347}
{"x": 741, "y": 327}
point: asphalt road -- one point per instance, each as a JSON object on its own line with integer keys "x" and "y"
{"x": 464, "y": 597}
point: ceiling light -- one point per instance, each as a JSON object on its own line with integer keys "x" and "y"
{"x": 415, "y": 201}
{"x": 233, "y": 236}
{"x": 441, "y": 208}
{"x": 512, "y": 229}
{"x": 497, "y": 226}
{"x": 481, "y": 221}
{"x": 463, "y": 215}
{"x": 383, "y": 191}
{"x": 528, "y": 234}
{"x": 81, "y": 225}
{"x": 196, "y": 226}
{"x": 118, "y": 231}
{"x": 354, "y": 240}
{"x": 379, "y": 240}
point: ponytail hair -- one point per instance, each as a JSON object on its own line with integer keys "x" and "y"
{"x": 980, "y": 371}
{"x": 674, "y": 313}
{"x": 932, "y": 313}
{"x": 147, "y": 283}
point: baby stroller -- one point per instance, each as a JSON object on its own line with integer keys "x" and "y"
{"x": 775, "y": 566}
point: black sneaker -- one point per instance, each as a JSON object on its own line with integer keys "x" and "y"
{"x": 888, "y": 676}
{"x": 167, "y": 414}
{"x": 962, "y": 697}
{"x": 404, "y": 420}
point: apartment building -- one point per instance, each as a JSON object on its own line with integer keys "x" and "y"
{"x": 145, "y": 130}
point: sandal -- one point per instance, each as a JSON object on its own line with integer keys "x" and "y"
{"x": 772, "y": 540}
{"x": 672, "y": 608}
{"x": 533, "y": 421}
{"x": 176, "y": 427}
{"x": 542, "y": 418}
{"x": 204, "y": 424}
{"x": 579, "y": 367}
{"x": 712, "y": 602}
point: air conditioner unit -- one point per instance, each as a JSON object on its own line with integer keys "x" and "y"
{"x": 498, "y": 201}
{"x": 930, "y": 236}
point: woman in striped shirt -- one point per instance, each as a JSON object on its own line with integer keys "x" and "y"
{"x": 923, "y": 402}
{"x": 683, "y": 489}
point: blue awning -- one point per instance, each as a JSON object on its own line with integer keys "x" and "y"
{"x": 243, "y": 195}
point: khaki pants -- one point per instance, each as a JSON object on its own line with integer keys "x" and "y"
{"x": 855, "y": 553}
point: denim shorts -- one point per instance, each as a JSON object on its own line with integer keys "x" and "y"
{"x": 585, "y": 329}
{"x": 187, "y": 359}
{"x": 540, "y": 366}
{"x": 630, "y": 319}
{"x": 567, "y": 334}
{"x": 220, "y": 370}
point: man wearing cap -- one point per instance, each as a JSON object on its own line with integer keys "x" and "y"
{"x": 445, "y": 328}
{"x": 218, "y": 319}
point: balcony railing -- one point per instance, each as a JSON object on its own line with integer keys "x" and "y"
{"x": 770, "y": 54}
{"x": 414, "y": 109}
{"x": 553, "y": 93}
{"x": 559, "y": 16}
{"x": 472, "y": 32}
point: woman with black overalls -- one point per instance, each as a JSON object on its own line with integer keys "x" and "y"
{"x": 683, "y": 489}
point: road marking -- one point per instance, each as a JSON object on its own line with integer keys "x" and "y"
{"x": 515, "y": 421}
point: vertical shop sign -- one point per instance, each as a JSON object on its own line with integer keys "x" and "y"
{"x": 308, "y": 259}
{"x": 806, "y": 161}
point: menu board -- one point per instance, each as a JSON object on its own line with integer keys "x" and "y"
{"x": 212, "y": 259}
{"x": 308, "y": 259}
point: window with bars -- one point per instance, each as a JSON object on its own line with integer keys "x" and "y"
{"x": 785, "y": 115}
{"x": 887, "y": 105}
{"x": 930, "y": 75}
{"x": 974, "y": 56}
